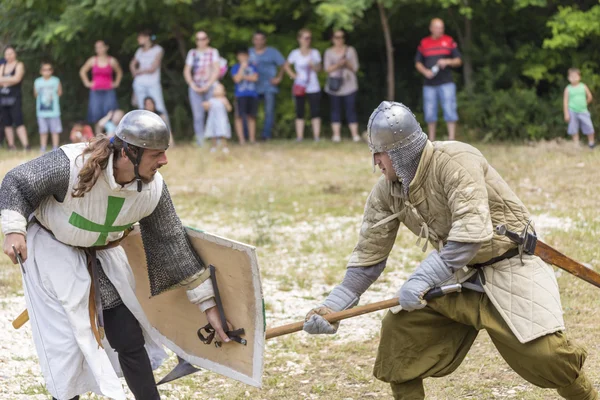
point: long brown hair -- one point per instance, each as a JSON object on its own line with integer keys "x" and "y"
{"x": 98, "y": 151}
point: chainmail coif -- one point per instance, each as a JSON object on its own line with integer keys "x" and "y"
{"x": 405, "y": 160}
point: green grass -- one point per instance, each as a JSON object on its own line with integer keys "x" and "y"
{"x": 301, "y": 205}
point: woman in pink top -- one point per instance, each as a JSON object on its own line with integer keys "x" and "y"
{"x": 102, "y": 94}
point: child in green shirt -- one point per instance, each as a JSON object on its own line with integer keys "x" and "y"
{"x": 575, "y": 100}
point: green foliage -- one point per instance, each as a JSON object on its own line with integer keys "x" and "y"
{"x": 512, "y": 114}
{"x": 519, "y": 51}
{"x": 571, "y": 26}
{"x": 342, "y": 13}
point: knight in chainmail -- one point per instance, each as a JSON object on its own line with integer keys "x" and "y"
{"x": 72, "y": 225}
{"x": 447, "y": 194}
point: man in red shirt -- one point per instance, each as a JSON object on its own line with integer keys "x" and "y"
{"x": 436, "y": 53}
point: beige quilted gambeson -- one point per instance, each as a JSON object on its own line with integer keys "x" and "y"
{"x": 456, "y": 195}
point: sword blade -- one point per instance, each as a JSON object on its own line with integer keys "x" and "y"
{"x": 554, "y": 257}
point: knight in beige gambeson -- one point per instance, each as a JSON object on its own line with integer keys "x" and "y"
{"x": 448, "y": 195}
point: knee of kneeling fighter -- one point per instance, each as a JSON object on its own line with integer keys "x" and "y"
{"x": 560, "y": 362}
{"x": 580, "y": 389}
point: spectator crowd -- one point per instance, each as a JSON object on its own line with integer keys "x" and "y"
{"x": 256, "y": 76}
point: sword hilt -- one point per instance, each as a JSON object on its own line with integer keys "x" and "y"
{"x": 526, "y": 241}
{"x": 442, "y": 291}
{"x": 502, "y": 230}
{"x": 18, "y": 257}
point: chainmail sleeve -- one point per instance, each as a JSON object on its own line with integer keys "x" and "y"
{"x": 170, "y": 257}
{"x": 25, "y": 186}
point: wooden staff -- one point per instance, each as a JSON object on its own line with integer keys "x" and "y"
{"x": 333, "y": 317}
{"x": 356, "y": 311}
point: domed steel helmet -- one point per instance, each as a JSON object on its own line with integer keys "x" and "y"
{"x": 392, "y": 126}
{"x": 144, "y": 130}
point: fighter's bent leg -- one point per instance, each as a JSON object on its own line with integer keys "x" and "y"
{"x": 417, "y": 345}
{"x": 550, "y": 361}
{"x": 125, "y": 336}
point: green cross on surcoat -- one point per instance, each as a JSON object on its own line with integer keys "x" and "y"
{"x": 115, "y": 204}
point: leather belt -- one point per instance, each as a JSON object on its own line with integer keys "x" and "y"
{"x": 509, "y": 254}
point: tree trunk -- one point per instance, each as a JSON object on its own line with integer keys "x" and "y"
{"x": 389, "y": 49}
{"x": 467, "y": 61}
{"x": 465, "y": 41}
{"x": 180, "y": 42}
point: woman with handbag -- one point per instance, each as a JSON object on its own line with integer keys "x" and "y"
{"x": 11, "y": 76}
{"x": 306, "y": 62}
{"x": 341, "y": 65}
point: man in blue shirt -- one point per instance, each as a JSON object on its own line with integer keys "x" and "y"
{"x": 267, "y": 61}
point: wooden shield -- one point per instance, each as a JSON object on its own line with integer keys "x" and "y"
{"x": 172, "y": 314}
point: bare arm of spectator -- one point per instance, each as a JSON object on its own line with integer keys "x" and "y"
{"x": 83, "y": 72}
{"x": 420, "y": 65}
{"x": 455, "y": 59}
{"x": 187, "y": 75}
{"x": 252, "y": 77}
{"x": 352, "y": 59}
{"x": 277, "y": 79}
{"x": 279, "y": 61}
{"x": 423, "y": 71}
{"x": 228, "y": 105}
{"x": 450, "y": 62}
{"x": 239, "y": 76}
{"x": 566, "y": 105}
{"x": 288, "y": 69}
{"x": 99, "y": 127}
{"x": 35, "y": 93}
{"x": 133, "y": 66}
{"x": 315, "y": 62}
{"x": 216, "y": 67}
{"x": 588, "y": 94}
{"x": 16, "y": 78}
{"x": 118, "y": 71}
{"x": 328, "y": 63}
{"x": 60, "y": 91}
{"x": 155, "y": 64}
